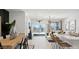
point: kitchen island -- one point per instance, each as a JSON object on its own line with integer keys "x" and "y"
{"x": 74, "y": 41}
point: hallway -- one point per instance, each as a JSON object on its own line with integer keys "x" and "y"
{"x": 40, "y": 42}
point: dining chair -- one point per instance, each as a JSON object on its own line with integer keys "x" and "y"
{"x": 25, "y": 43}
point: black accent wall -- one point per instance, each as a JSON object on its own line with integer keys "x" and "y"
{"x": 4, "y": 18}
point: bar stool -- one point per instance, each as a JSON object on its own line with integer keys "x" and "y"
{"x": 55, "y": 39}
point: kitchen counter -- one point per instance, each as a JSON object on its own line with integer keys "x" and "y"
{"x": 11, "y": 44}
{"x": 69, "y": 37}
{"x": 74, "y": 41}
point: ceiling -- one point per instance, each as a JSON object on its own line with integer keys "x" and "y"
{"x": 44, "y": 10}
{"x": 46, "y": 14}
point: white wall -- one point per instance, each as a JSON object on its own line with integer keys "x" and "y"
{"x": 54, "y": 13}
{"x": 22, "y": 18}
{"x": 27, "y": 20}
{"x": 19, "y": 16}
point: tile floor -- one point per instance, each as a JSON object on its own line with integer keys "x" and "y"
{"x": 40, "y": 42}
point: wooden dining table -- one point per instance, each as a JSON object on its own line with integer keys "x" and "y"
{"x": 11, "y": 43}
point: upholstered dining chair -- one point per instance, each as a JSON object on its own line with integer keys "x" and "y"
{"x": 25, "y": 43}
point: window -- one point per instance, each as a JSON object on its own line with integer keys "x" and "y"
{"x": 38, "y": 27}
{"x": 55, "y": 26}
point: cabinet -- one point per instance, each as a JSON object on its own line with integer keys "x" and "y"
{"x": 4, "y": 15}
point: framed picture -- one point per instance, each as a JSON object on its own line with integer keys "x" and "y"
{"x": 67, "y": 25}
{"x": 73, "y": 25}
